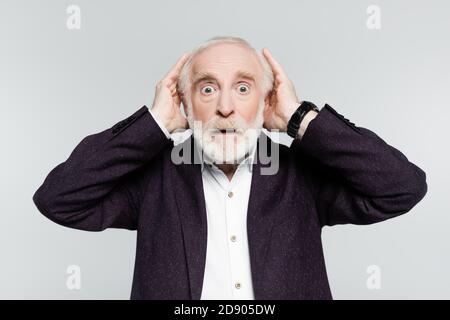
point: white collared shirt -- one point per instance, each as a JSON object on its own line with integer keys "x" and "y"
{"x": 227, "y": 269}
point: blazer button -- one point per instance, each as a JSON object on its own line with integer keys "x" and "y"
{"x": 230, "y": 194}
{"x": 237, "y": 285}
{"x": 233, "y": 238}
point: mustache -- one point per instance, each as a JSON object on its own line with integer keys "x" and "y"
{"x": 221, "y": 124}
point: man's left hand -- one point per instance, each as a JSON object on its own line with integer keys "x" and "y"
{"x": 282, "y": 101}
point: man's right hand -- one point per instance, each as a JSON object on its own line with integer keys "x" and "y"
{"x": 166, "y": 104}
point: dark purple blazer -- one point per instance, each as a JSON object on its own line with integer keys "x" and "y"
{"x": 123, "y": 177}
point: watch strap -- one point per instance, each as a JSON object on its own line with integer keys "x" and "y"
{"x": 295, "y": 120}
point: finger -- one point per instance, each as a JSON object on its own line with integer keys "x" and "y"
{"x": 277, "y": 69}
{"x": 176, "y": 100}
{"x": 174, "y": 73}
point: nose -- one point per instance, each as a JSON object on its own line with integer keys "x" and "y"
{"x": 225, "y": 105}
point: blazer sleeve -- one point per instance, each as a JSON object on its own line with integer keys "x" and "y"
{"x": 357, "y": 177}
{"x": 101, "y": 183}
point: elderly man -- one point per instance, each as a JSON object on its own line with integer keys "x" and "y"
{"x": 220, "y": 228}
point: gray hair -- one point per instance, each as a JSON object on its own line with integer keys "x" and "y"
{"x": 184, "y": 82}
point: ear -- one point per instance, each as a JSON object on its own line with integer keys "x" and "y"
{"x": 183, "y": 102}
{"x": 267, "y": 101}
{"x": 181, "y": 98}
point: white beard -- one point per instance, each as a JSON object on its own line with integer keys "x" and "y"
{"x": 226, "y": 148}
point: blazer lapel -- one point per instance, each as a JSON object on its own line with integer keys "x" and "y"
{"x": 260, "y": 216}
{"x": 191, "y": 203}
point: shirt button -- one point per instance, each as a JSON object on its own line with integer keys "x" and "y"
{"x": 237, "y": 285}
{"x": 233, "y": 238}
{"x": 230, "y": 194}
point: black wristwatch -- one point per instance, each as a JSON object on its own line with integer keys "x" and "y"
{"x": 297, "y": 117}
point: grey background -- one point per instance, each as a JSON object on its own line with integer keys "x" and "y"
{"x": 57, "y": 86}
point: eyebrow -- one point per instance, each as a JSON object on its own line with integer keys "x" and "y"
{"x": 206, "y": 76}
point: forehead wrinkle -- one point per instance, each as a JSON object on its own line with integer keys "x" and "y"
{"x": 217, "y": 59}
{"x": 206, "y": 75}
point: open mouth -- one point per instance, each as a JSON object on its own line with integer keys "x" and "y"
{"x": 227, "y": 131}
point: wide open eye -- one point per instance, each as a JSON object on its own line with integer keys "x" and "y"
{"x": 208, "y": 90}
{"x": 243, "y": 88}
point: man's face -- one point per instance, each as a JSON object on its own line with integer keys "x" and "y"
{"x": 227, "y": 99}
